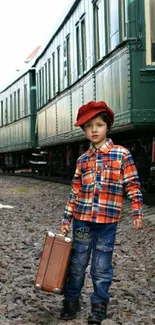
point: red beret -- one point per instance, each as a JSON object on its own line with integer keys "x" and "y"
{"x": 89, "y": 110}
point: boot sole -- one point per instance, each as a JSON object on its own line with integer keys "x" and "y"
{"x": 71, "y": 317}
{"x": 68, "y": 318}
{"x": 94, "y": 323}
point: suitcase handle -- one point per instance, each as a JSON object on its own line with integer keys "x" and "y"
{"x": 67, "y": 239}
{"x": 50, "y": 233}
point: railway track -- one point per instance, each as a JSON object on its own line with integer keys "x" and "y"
{"x": 148, "y": 198}
{"x": 44, "y": 178}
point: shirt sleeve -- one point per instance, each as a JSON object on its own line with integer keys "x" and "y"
{"x": 132, "y": 186}
{"x": 76, "y": 185}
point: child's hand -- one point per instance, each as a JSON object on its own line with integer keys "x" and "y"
{"x": 64, "y": 229}
{"x": 137, "y": 224}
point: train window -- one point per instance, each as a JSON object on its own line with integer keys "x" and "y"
{"x": 49, "y": 80}
{"x": 58, "y": 68}
{"x": 65, "y": 61}
{"x": 42, "y": 86}
{"x": 11, "y": 109}
{"x": 152, "y": 20}
{"x": 39, "y": 88}
{"x": 6, "y": 110}
{"x": 1, "y": 113}
{"x": 83, "y": 45}
{"x": 37, "y": 78}
{"x": 68, "y": 61}
{"x": 99, "y": 29}
{"x": 125, "y": 17}
{"x": 18, "y": 102}
{"x": 15, "y": 106}
{"x": 96, "y": 32}
{"x": 25, "y": 100}
{"x": 114, "y": 23}
{"x": 46, "y": 82}
{"x": 53, "y": 74}
{"x": 78, "y": 52}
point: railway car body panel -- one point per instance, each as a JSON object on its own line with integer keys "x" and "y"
{"x": 110, "y": 80}
{"x": 64, "y": 114}
{"x": 18, "y": 120}
{"x": 88, "y": 89}
{"x": 19, "y": 114}
{"x": 100, "y": 63}
{"x": 16, "y": 136}
{"x": 143, "y": 95}
{"x": 77, "y": 101}
{"x": 51, "y": 120}
{"x": 42, "y": 125}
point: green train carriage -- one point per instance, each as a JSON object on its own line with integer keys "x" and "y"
{"x": 102, "y": 50}
{"x": 17, "y": 121}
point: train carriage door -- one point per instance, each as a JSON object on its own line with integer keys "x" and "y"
{"x": 150, "y": 31}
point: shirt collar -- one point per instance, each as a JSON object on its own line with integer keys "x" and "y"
{"x": 105, "y": 148}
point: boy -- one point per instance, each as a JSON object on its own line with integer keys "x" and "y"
{"x": 95, "y": 205}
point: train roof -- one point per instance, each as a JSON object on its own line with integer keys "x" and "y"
{"x": 68, "y": 12}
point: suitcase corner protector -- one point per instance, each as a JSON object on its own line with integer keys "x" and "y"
{"x": 50, "y": 234}
{"x": 37, "y": 285}
{"x": 57, "y": 290}
{"x": 68, "y": 239}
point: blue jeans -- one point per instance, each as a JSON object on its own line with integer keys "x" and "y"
{"x": 98, "y": 239}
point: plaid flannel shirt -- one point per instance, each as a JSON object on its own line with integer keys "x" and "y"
{"x": 97, "y": 186}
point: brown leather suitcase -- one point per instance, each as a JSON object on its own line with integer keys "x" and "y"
{"x": 54, "y": 263}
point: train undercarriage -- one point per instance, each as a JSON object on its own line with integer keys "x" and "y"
{"x": 15, "y": 161}
{"x": 61, "y": 160}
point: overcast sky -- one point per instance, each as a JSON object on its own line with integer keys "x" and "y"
{"x": 25, "y": 24}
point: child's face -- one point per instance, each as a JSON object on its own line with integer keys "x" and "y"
{"x": 96, "y": 131}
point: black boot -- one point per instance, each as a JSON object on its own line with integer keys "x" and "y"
{"x": 70, "y": 309}
{"x": 98, "y": 313}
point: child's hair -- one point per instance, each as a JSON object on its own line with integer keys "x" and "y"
{"x": 105, "y": 117}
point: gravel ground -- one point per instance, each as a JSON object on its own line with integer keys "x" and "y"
{"x": 33, "y": 208}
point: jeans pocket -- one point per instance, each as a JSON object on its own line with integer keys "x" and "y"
{"x": 80, "y": 254}
{"x": 103, "y": 254}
